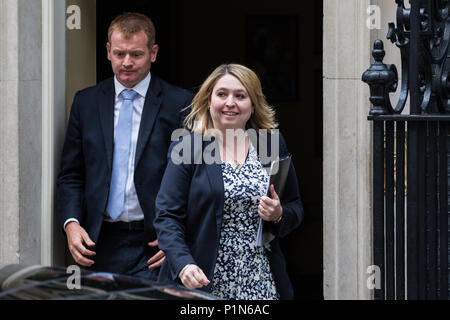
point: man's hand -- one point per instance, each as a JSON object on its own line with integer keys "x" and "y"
{"x": 193, "y": 277}
{"x": 158, "y": 259}
{"x": 76, "y": 238}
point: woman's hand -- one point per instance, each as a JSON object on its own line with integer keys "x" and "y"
{"x": 193, "y": 277}
{"x": 270, "y": 209}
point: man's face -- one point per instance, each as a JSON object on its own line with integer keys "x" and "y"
{"x": 130, "y": 58}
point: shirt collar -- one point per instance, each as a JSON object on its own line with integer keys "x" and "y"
{"x": 141, "y": 88}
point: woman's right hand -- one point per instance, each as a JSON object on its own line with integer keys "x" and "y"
{"x": 193, "y": 277}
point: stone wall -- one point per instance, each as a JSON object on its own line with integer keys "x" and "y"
{"x": 20, "y": 130}
{"x": 347, "y": 150}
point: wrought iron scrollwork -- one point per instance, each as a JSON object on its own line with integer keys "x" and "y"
{"x": 432, "y": 56}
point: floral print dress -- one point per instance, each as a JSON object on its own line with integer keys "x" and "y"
{"x": 242, "y": 269}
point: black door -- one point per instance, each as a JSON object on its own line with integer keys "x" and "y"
{"x": 282, "y": 42}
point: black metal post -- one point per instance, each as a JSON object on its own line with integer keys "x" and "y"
{"x": 412, "y": 168}
{"x": 421, "y": 209}
{"x": 443, "y": 211}
{"x": 390, "y": 254}
{"x": 432, "y": 198}
{"x": 400, "y": 211}
{"x": 378, "y": 204}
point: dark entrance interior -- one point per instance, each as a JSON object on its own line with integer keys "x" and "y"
{"x": 282, "y": 42}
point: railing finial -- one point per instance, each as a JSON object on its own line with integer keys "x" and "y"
{"x": 382, "y": 79}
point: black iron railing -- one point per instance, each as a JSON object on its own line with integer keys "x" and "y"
{"x": 410, "y": 155}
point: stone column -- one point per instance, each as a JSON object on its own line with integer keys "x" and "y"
{"x": 9, "y": 133}
{"x": 347, "y": 208}
{"x": 20, "y": 130}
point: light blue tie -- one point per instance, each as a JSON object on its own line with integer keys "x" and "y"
{"x": 122, "y": 142}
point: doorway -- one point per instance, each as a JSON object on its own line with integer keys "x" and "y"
{"x": 196, "y": 36}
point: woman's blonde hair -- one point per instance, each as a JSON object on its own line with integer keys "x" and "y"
{"x": 199, "y": 119}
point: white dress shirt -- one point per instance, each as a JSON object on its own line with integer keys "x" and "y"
{"x": 133, "y": 210}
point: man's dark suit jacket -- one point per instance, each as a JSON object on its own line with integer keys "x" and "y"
{"x": 189, "y": 209}
{"x": 86, "y": 165}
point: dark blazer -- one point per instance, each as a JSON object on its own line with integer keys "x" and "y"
{"x": 189, "y": 209}
{"x": 86, "y": 164}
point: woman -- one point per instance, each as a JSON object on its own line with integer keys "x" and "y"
{"x": 207, "y": 213}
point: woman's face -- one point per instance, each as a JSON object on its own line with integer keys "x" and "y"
{"x": 230, "y": 104}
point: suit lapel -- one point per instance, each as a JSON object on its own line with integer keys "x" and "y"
{"x": 105, "y": 102}
{"x": 151, "y": 108}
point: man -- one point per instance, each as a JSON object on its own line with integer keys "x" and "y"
{"x": 115, "y": 154}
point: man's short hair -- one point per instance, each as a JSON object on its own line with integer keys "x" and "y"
{"x": 130, "y": 23}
